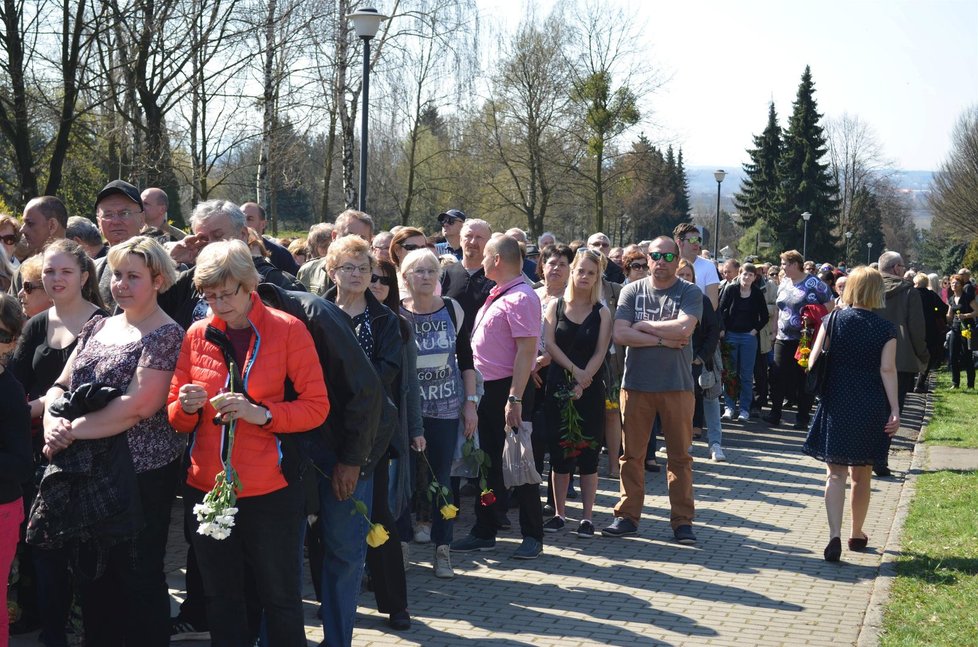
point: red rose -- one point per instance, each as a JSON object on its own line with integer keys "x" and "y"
{"x": 583, "y": 444}
{"x": 488, "y": 498}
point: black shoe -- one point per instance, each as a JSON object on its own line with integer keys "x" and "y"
{"x": 882, "y": 471}
{"x": 585, "y": 530}
{"x": 684, "y": 535}
{"x": 548, "y": 508}
{"x": 555, "y": 524}
{"x": 772, "y": 419}
{"x": 182, "y": 629}
{"x": 620, "y": 527}
{"x": 833, "y": 552}
{"x": 400, "y": 621}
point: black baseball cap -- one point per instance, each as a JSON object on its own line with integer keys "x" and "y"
{"x": 120, "y": 187}
{"x": 451, "y": 213}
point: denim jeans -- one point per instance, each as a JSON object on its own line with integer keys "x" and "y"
{"x": 714, "y": 427}
{"x": 345, "y": 553}
{"x": 743, "y": 353}
{"x": 441, "y": 435}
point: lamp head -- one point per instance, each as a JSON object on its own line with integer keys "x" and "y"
{"x": 719, "y": 174}
{"x": 366, "y": 22}
{"x": 805, "y": 216}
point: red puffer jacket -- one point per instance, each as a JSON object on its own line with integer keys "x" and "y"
{"x": 282, "y": 348}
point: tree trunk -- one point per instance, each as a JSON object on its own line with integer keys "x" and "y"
{"x": 15, "y": 120}
{"x": 263, "y": 184}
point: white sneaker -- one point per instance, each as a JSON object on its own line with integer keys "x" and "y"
{"x": 728, "y": 414}
{"x": 443, "y": 563}
{"x": 716, "y": 453}
{"x": 422, "y": 533}
{"x": 744, "y": 416}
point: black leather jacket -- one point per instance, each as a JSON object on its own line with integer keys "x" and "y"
{"x": 358, "y": 407}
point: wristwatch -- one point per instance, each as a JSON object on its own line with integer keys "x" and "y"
{"x": 472, "y": 398}
{"x": 268, "y": 417}
{"x": 514, "y": 400}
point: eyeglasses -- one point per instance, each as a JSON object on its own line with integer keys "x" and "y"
{"x": 410, "y": 246}
{"x": 658, "y": 256}
{"x": 424, "y": 271}
{"x": 224, "y": 296}
{"x": 125, "y": 214}
{"x": 9, "y": 239}
{"x": 695, "y": 240}
{"x": 383, "y": 280}
{"x": 30, "y": 287}
{"x": 6, "y": 336}
{"x": 638, "y": 266}
{"x": 350, "y": 269}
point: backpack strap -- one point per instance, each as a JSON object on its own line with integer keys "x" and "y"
{"x": 455, "y": 312}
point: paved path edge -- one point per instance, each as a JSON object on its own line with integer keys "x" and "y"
{"x": 869, "y": 633}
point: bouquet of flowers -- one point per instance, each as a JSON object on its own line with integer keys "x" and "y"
{"x": 215, "y": 515}
{"x": 573, "y": 439}
{"x": 804, "y": 344}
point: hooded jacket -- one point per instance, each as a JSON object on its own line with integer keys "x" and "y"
{"x": 903, "y": 309}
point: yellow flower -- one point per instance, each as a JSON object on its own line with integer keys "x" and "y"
{"x": 803, "y": 362}
{"x": 966, "y": 333}
{"x": 610, "y": 405}
{"x": 805, "y": 351}
{"x": 448, "y": 511}
{"x": 377, "y": 536}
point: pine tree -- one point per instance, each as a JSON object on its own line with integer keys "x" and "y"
{"x": 681, "y": 191}
{"x": 806, "y": 183}
{"x": 761, "y": 187}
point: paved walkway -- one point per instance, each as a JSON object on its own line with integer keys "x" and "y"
{"x": 756, "y": 577}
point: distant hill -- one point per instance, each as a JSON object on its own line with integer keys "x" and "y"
{"x": 703, "y": 190}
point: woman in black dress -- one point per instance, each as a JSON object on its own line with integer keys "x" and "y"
{"x": 858, "y": 408}
{"x": 577, "y": 331}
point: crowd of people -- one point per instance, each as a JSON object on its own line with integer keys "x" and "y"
{"x": 141, "y": 362}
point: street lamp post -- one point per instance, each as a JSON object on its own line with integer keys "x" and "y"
{"x": 848, "y": 240}
{"x": 804, "y": 245}
{"x": 718, "y": 175}
{"x": 869, "y": 253}
{"x": 366, "y": 22}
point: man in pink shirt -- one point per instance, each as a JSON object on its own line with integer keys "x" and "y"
{"x": 504, "y": 344}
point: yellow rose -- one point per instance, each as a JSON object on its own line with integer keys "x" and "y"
{"x": 803, "y": 362}
{"x": 448, "y": 511}
{"x": 377, "y": 536}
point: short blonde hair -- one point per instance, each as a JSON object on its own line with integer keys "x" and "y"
{"x": 418, "y": 257}
{"x": 349, "y": 245}
{"x": 223, "y": 262}
{"x": 152, "y": 253}
{"x": 864, "y": 287}
{"x": 585, "y": 254}
{"x": 921, "y": 280}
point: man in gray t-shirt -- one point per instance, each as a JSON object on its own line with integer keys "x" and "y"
{"x": 655, "y": 320}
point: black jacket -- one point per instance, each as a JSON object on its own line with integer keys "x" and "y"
{"x": 471, "y": 291}
{"x": 280, "y": 256}
{"x": 706, "y": 335}
{"x": 758, "y": 304}
{"x": 356, "y": 397}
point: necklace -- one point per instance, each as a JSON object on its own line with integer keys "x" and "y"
{"x": 135, "y": 324}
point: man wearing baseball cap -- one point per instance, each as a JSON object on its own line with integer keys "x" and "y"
{"x": 451, "y": 228}
{"x": 119, "y": 209}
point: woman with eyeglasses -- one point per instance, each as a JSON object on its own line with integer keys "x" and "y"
{"x": 47, "y": 342}
{"x": 33, "y": 299}
{"x": 232, "y": 368}
{"x": 577, "y": 332}
{"x": 124, "y": 596}
{"x": 447, "y": 382}
{"x": 635, "y": 263}
{"x": 16, "y": 464}
{"x": 405, "y": 241}
{"x": 350, "y": 266}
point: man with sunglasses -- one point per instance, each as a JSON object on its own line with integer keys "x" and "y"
{"x": 655, "y": 320}
{"x": 690, "y": 242}
{"x": 451, "y": 222}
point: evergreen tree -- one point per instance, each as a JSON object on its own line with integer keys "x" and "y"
{"x": 681, "y": 191}
{"x": 806, "y": 182}
{"x": 761, "y": 187}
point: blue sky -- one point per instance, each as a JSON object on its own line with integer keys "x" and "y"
{"x": 907, "y": 68}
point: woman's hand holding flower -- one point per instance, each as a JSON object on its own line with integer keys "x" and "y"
{"x": 192, "y": 397}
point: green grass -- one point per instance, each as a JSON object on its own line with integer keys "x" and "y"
{"x": 954, "y": 420}
{"x": 934, "y": 599}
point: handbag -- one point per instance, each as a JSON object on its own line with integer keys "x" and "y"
{"x": 518, "y": 464}
{"x": 815, "y": 378}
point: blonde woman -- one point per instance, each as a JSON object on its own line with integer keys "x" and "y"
{"x": 858, "y": 409}
{"x": 577, "y": 331}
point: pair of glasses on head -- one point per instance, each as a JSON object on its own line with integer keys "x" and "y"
{"x": 638, "y": 266}
{"x": 383, "y": 280}
{"x": 125, "y": 214}
{"x": 212, "y": 299}
{"x": 350, "y": 269}
{"x": 695, "y": 240}
{"x": 6, "y": 336}
{"x": 10, "y": 239}
{"x": 30, "y": 286}
{"x": 658, "y": 256}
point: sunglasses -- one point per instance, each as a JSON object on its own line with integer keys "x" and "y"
{"x": 450, "y": 220}
{"x": 658, "y": 256}
{"x": 693, "y": 239}
{"x": 9, "y": 239}
{"x": 383, "y": 280}
{"x": 410, "y": 246}
{"x": 638, "y": 266}
{"x": 30, "y": 287}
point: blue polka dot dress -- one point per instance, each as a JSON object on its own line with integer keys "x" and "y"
{"x": 848, "y": 424}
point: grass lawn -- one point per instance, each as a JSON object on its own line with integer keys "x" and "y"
{"x": 934, "y": 599}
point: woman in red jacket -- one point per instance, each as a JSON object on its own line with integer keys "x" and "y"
{"x": 244, "y": 353}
